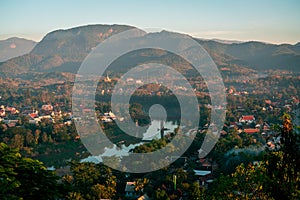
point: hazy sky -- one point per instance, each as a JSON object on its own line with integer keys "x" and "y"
{"x": 274, "y": 21}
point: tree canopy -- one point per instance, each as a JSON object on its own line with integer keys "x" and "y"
{"x": 25, "y": 178}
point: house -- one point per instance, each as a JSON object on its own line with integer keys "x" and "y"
{"x": 129, "y": 190}
{"x": 251, "y": 130}
{"x": 105, "y": 119}
{"x": 271, "y": 145}
{"x": 247, "y": 119}
{"x": 33, "y": 115}
{"x": 47, "y": 107}
{"x": 267, "y": 101}
{"x": 107, "y": 79}
{"x": 129, "y": 80}
{"x": 108, "y": 117}
{"x": 87, "y": 110}
{"x": 2, "y": 112}
{"x": 232, "y": 125}
{"x": 10, "y": 122}
{"x": 11, "y": 110}
{"x": 204, "y": 164}
{"x": 144, "y": 197}
{"x": 204, "y": 176}
{"x": 44, "y": 117}
{"x": 139, "y": 82}
{"x": 35, "y": 120}
{"x": 111, "y": 115}
{"x": 266, "y": 127}
{"x": 10, "y": 125}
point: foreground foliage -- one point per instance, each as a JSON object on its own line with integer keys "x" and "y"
{"x": 276, "y": 177}
{"x": 25, "y": 178}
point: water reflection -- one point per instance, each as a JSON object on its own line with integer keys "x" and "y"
{"x": 153, "y": 132}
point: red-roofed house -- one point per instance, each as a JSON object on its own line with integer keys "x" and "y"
{"x": 247, "y": 119}
{"x": 11, "y": 110}
{"x": 251, "y": 130}
{"x": 33, "y": 115}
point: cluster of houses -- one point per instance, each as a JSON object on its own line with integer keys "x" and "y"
{"x": 103, "y": 117}
{"x": 11, "y": 115}
{"x": 108, "y": 117}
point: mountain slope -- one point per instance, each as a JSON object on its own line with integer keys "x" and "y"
{"x": 76, "y": 41}
{"x": 20, "y": 64}
{"x": 14, "y": 47}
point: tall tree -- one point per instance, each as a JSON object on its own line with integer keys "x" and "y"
{"x": 92, "y": 181}
{"x": 17, "y": 141}
{"x": 195, "y": 192}
{"x": 140, "y": 184}
{"x": 283, "y": 166}
{"x": 25, "y": 178}
{"x": 160, "y": 195}
{"x": 29, "y": 138}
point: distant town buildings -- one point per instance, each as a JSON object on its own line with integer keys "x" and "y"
{"x": 247, "y": 119}
{"x": 107, "y": 79}
{"x": 47, "y": 107}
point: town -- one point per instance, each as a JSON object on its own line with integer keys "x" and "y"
{"x": 248, "y": 129}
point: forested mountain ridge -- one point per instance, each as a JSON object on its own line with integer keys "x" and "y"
{"x": 64, "y": 50}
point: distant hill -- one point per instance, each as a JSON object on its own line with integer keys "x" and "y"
{"x": 13, "y": 47}
{"x": 227, "y": 41}
{"x": 64, "y": 50}
{"x": 256, "y": 55}
{"x": 61, "y": 50}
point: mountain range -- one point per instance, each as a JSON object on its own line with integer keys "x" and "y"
{"x": 13, "y": 47}
{"x": 64, "y": 50}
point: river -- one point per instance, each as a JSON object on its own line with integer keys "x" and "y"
{"x": 119, "y": 151}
